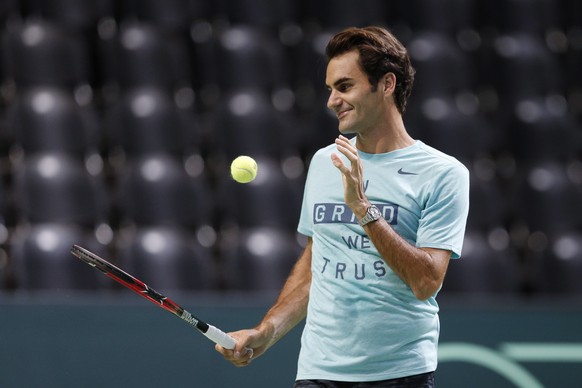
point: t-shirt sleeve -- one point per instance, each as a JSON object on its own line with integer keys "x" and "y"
{"x": 444, "y": 217}
{"x": 305, "y": 226}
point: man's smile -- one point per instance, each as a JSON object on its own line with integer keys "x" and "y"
{"x": 343, "y": 113}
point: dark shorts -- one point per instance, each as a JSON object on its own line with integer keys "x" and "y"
{"x": 425, "y": 380}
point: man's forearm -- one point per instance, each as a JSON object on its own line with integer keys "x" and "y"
{"x": 422, "y": 269}
{"x": 291, "y": 305}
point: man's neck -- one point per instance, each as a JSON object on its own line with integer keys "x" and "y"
{"x": 392, "y": 135}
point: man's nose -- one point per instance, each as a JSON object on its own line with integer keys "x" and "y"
{"x": 334, "y": 100}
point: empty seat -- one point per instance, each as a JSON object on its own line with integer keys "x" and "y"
{"x": 72, "y": 14}
{"x": 146, "y": 120}
{"x": 541, "y": 129}
{"x": 562, "y": 265}
{"x": 47, "y": 119}
{"x": 530, "y": 16}
{"x": 258, "y": 258}
{"x": 484, "y": 267}
{"x": 246, "y": 123}
{"x": 38, "y": 52}
{"x": 448, "y": 16}
{"x": 139, "y": 54}
{"x": 270, "y": 15}
{"x": 156, "y": 190}
{"x": 41, "y": 258}
{"x": 524, "y": 67}
{"x": 442, "y": 67}
{"x": 489, "y": 207}
{"x": 168, "y": 258}
{"x": 554, "y": 261}
{"x": 337, "y": 14}
{"x": 241, "y": 56}
{"x": 174, "y": 16}
{"x": 546, "y": 198}
{"x": 53, "y": 187}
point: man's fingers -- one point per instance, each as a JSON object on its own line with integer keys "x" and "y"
{"x": 239, "y": 357}
{"x": 346, "y": 148}
{"x": 243, "y": 359}
{"x": 338, "y": 163}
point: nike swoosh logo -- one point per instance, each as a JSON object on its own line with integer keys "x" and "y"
{"x": 402, "y": 172}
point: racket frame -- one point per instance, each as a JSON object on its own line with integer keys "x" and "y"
{"x": 214, "y": 334}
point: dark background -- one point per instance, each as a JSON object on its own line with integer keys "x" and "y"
{"x": 118, "y": 121}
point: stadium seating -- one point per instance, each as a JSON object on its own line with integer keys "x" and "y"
{"x": 64, "y": 56}
{"x": 138, "y": 53}
{"x": 562, "y": 267}
{"x": 442, "y": 67}
{"x": 124, "y": 115}
{"x": 167, "y": 258}
{"x": 542, "y": 129}
{"x": 553, "y": 262}
{"x": 172, "y": 16}
{"x": 448, "y": 16}
{"x": 41, "y": 258}
{"x": 245, "y": 122}
{"x": 485, "y": 267}
{"x": 268, "y": 15}
{"x": 53, "y": 187}
{"x": 147, "y": 120}
{"x": 345, "y": 13}
{"x": 545, "y": 198}
{"x": 48, "y": 119}
{"x": 257, "y": 259}
{"x": 241, "y": 56}
{"x": 71, "y": 14}
{"x": 156, "y": 190}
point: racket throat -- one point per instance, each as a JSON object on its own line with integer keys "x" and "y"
{"x": 203, "y": 327}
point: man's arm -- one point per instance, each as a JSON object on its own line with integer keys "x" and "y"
{"x": 422, "y": 269}
{"x": 289, "y": 309}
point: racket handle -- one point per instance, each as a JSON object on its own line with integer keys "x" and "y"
{"x": 220, "y": 337}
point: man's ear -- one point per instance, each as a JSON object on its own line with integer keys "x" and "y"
{"x": 389, "y": 83}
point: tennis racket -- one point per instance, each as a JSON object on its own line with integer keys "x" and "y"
{"x": 120, "y": 276}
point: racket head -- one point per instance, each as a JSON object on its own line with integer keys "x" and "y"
{"x": 122, "y": 277}
{"x": 126, "y": 279}
{"x": 92, "y": 259}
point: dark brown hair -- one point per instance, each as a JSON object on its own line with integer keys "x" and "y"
{"x": 380, "y": 53}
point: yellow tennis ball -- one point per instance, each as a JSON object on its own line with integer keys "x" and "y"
{"x": 243, "y": 169}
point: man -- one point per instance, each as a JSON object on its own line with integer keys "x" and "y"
{"x": 383, "y": 214}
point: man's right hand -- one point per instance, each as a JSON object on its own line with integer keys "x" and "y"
{"x": 251, "y": 344}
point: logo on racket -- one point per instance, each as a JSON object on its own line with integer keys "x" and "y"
{"x": 153, "y": 294}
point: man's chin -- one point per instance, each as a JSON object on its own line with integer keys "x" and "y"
{"x": 344, "y": 130}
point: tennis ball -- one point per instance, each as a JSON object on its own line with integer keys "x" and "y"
{"x": 243, "y": 169}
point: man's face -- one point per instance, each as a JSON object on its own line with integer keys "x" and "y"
{"x": 356, "y": 106}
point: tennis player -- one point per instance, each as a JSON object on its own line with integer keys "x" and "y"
{"x": 384, "y": 213}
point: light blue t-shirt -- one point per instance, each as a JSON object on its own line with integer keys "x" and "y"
{"x": 363, "y": 322}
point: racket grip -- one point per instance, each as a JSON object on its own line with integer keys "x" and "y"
{"x": 220, "y": 337}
